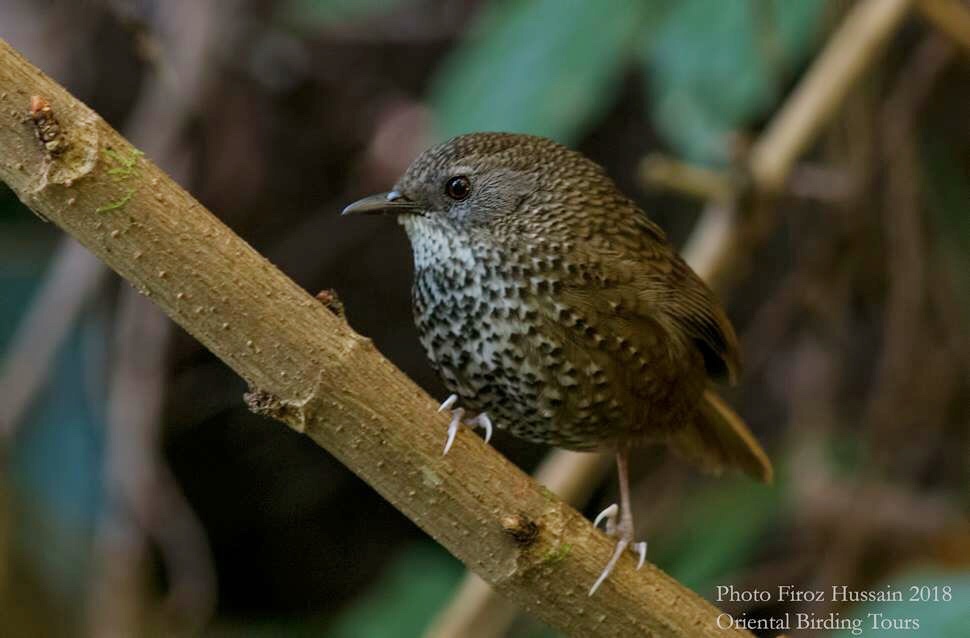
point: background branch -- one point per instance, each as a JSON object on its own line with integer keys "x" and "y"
{"x": 951, "y": 17}
{"x": 859, "y": 39}
{"x": 312, "y": 371}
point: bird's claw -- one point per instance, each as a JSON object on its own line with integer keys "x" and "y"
{"x": 625, "y": 534}
{"x": 447, "y": 403}
{"x": 457, "y": 420}
{"x": 483, "y": 422}
{"x": 641, "y": 549}
{"x": 610, "y": 514}
{"x": 456, "y": 416}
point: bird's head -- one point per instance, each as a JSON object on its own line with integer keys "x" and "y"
{"x": 490, "y": 181}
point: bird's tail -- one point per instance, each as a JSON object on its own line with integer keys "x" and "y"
{"x": 719, "y": 439}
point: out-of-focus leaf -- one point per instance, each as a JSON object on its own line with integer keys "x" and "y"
{"x": 714, "y": 66}
{"x": 546, "y": 67}
{"x": 938, "y": 618}
{"x": 317, "y": 13}
{"x": 405, "y": 600}
{"x": 718, "y": 531}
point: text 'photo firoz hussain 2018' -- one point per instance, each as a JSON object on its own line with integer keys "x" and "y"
{"x": 836, "y": 593}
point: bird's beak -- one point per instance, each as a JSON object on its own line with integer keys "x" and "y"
{"x": 383, "y": 203}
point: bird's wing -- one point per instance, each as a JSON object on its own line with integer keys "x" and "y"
{"x": 637, "y": 269}
{"x": 685, "y": 300}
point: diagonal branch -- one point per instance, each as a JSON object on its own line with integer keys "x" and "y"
{"x": 310, "y": 370}
{"x": 860, "y": 37}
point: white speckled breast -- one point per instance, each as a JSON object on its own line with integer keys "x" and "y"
{"x": 477, "y": 311}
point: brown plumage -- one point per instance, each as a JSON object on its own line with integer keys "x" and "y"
{"x": 549, "y": 301}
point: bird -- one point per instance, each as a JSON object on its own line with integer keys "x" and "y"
{"x": 553, "y": 307}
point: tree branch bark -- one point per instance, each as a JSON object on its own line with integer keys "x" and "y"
{"x": 860, "y": 37}
{"x": 310, "y": 370}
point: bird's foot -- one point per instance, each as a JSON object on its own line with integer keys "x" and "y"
{"x": 458, "y": 419}
{"x": 623, "y": 531}
{"x": 610, "y": 514}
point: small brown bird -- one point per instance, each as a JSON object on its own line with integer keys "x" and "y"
{"x": 552, "y": 306}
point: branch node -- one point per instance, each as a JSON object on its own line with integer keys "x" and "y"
{"x": 69, "y": 139}
{"x": 522, "y": 529}
{"x": 46, "y": 127}
{"x": 268, "y": 404}
{"x": 331, "y": 302}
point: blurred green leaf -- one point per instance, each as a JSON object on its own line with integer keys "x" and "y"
{"x": 718, "y": 532}
{"x": 405, "y": 600}
{"x": 318, "y": 13}
{"x": 714, "y": 66}
{"x": 548, "y": 67}
{"x": 939, "y": 618}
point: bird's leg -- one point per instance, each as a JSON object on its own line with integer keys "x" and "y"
{"x": 458, "y": 419}
{"x": 624, "y": 529}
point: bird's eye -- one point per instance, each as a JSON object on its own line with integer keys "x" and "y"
{"x": 458, "y": 187}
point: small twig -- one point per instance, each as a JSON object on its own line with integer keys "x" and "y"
{"x": 807, "y": 181}
{"x": 851, "y": 49}
{"x": 332, "y": 302}
{"x": 660, "y": 172}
